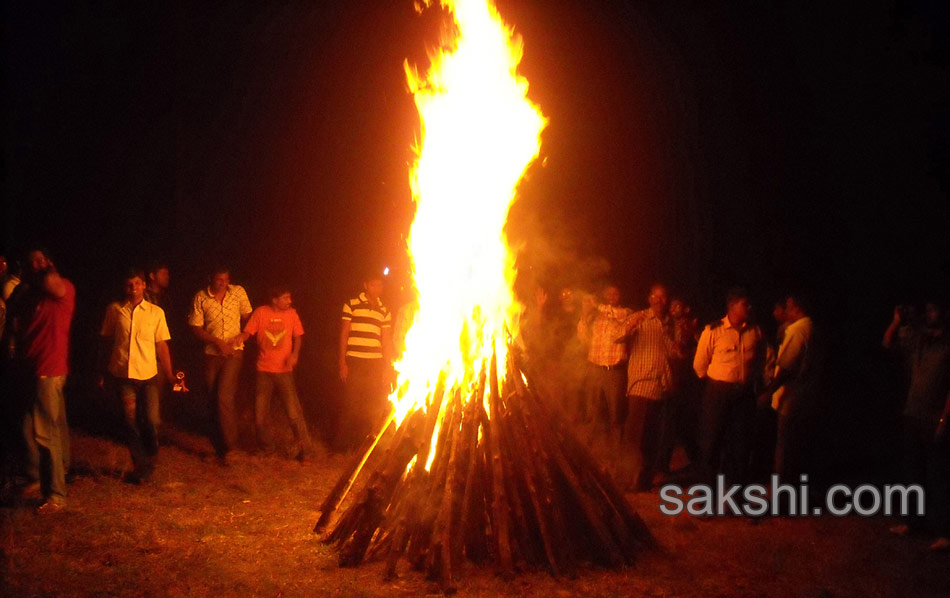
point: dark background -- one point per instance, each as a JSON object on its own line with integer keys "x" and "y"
{"x": 777, "y": 145}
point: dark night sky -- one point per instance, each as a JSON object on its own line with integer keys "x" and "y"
{"x": 770, "y": 144}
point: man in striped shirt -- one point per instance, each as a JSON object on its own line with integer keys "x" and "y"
{"x": 365, "y": 363}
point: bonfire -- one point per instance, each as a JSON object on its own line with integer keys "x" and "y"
{"x": 472, "y": 462}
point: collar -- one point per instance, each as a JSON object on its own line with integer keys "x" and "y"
{"x": 227, "y": 291}
{"x": 799, "y": 323}
{"x": 365, "y": 299}
{"x": 651, "y": 315}
{"x": 144, "y": 305}
{"x": 726, "y": 322}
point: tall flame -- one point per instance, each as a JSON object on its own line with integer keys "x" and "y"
{"x": 479, "y": 133}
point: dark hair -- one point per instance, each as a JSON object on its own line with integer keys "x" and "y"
{"x": 800, "y": 299}
{"x": 277, "y": 290}
{"x": 735, "y": 295}
{"x": 155, "y": 266}
{"x": 40, "y": 248}
{"x": 134, "y": 272}
{"x": 373, "y": 273}
{"x": 220, "y": 269}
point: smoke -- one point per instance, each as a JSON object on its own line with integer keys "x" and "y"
{"x": 552, "y": 249}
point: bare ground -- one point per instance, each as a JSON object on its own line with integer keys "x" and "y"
{"x": 198, "y": 529}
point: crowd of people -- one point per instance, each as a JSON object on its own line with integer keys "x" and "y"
{"x": 644, "y": 382}
{"x": 136, "y": 364}
{"x": 739, "y": 403}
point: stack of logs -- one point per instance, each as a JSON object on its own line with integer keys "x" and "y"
{"x": 509, "y": 486}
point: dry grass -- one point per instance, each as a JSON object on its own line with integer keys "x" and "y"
{"x": 202, "y": 530}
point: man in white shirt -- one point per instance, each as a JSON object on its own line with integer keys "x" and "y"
{"x": 138, "y": 334}
{"x": 792, "y": 390}
{"x": 730, "y": 358}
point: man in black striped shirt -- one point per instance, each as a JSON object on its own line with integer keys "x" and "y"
{"x": 365, "y": 363}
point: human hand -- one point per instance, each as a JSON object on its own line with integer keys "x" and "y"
{"x": 392, "y": 378}
{"x": 344, "y": 371}
{"x": 588, "y": 304}
{"x": 226, "y": 348}
{"x": 897, "y": 314}
{"x": 540, "y": 298}
{"x": 292, "y": 361}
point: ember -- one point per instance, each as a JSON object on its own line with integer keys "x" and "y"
{"x": 472, "y": 461}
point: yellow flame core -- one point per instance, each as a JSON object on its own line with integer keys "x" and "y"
{"x": 479, "y": 133}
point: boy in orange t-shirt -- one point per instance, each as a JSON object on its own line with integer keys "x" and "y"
{"x": 278, "y": 331}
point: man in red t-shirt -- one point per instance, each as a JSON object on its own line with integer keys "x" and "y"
{"x": 278, "y": 331}
{"x": 43, "y": 314}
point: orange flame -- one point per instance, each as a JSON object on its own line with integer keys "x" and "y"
{"x": 479, "y": 133}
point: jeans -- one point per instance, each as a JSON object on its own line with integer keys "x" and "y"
{"x": 141, "y": 410}
{"x": 612, "y": 385}
{"x": 652, "y": 416}
{"x": 45, "y": 428}
{"x": 287, "y": 391}
{"x": 365, "y": 403}
{"x": 221, "y": 379}
{"x": 927, "y": 462}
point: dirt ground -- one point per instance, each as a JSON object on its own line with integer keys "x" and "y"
{"x": 199, "y": 529}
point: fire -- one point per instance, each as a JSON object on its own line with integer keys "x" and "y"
{"x": 479, "y": 133}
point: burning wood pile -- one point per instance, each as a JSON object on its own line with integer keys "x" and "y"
{"x": 472, "y": 463}
{"x": 509, "y": 485}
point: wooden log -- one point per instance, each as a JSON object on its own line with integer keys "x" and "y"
{"x": 352, "y": 470}
{"x": 421, "y": 538}
{"x": 442, "y": 533}
{"x": 605, "y": 540}
{"x": 621, "y": 511}
{"x": 557, "y": 543}
{"x": 347, "y": 522}
{"x": 377, "y": 496}
{"x": 500, "y": 522}
{"x": 478, "y": 538}
{"x": 360, "y": 529}
{"x": 469, "y": 452}
{"x": 530, "y": 474}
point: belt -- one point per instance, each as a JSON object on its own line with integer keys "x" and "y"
{"x": 615, "y": 366}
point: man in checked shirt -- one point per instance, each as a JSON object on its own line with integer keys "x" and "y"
{"x": 649, "y": 380}
{"x": 603, "y": 328}
{"x": 217, "y": 317}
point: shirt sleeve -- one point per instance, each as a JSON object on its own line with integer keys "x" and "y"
{"x": 347, "y": 311}
{"x": 197, "y": 315}
{"x": 161, "y": 327}
{"x": 245, "y": 305}
{"x": 254, "y": 324}
{"x": 789, "y": 354}
{"x": 583, "y": 330}
{"x": 703, "y": 353}
{"x": 108, "y": 323}
{"x": 298, "y": 325}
